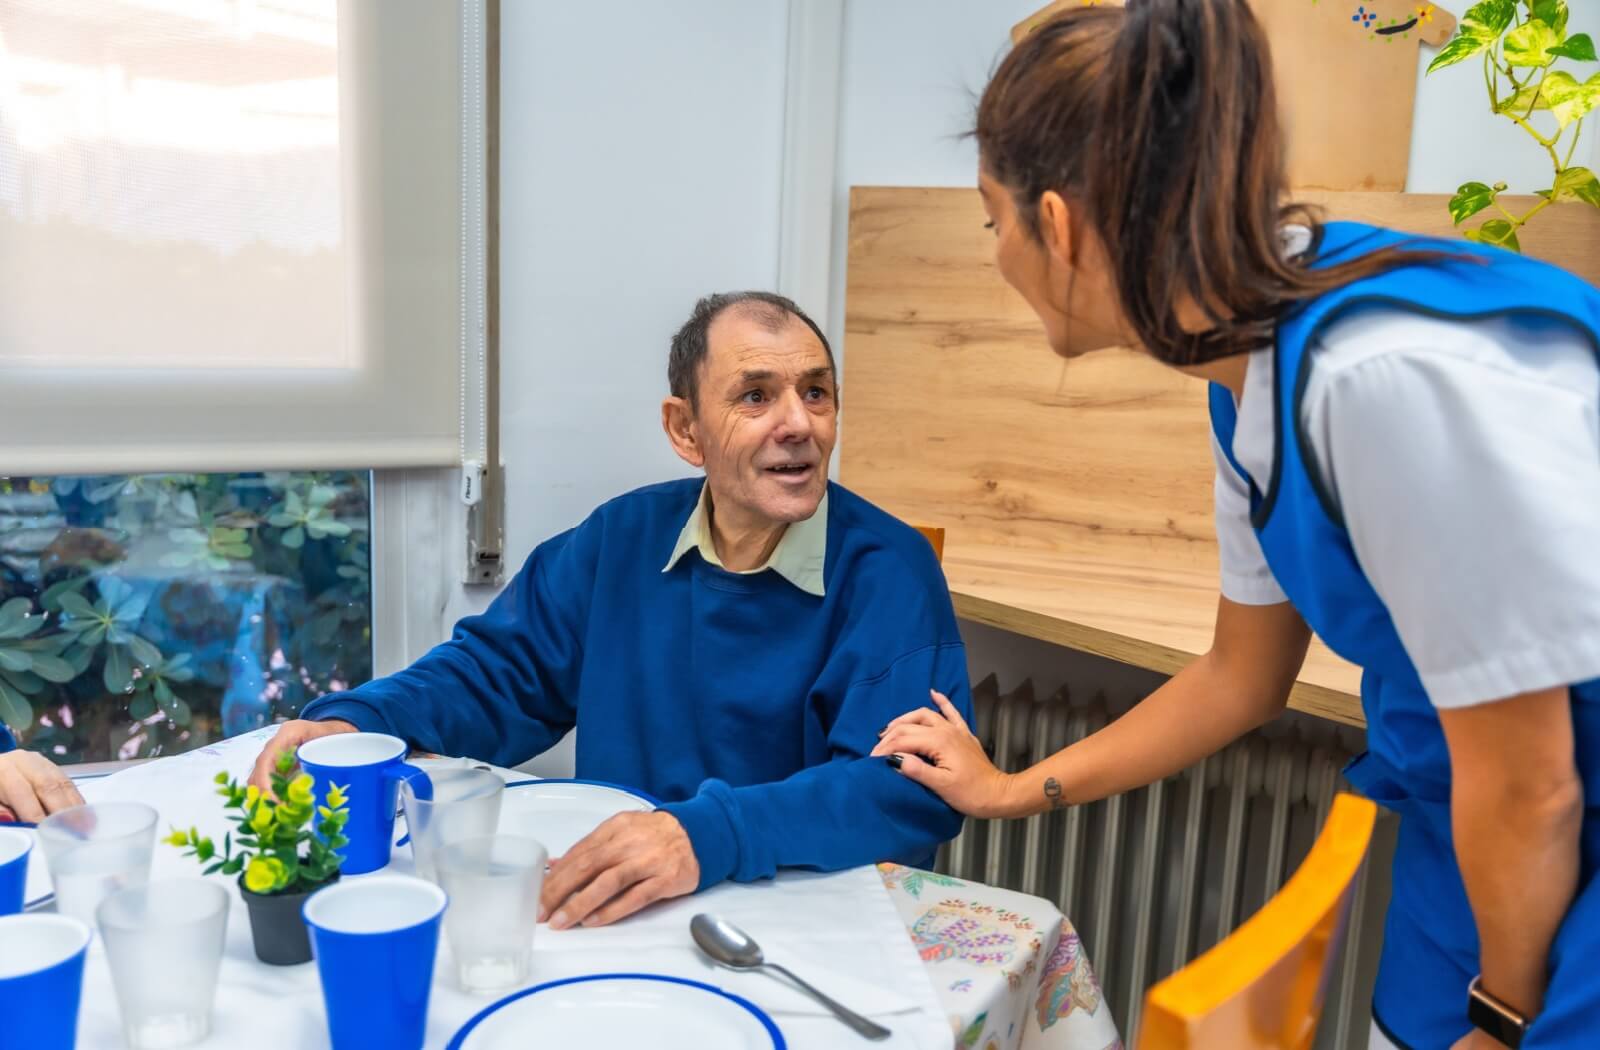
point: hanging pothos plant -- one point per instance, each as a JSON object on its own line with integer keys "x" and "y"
{"x": 1520, "y": 43}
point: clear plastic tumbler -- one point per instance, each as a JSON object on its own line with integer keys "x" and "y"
{"x": 493, "y": 882}
{"x": 465, "y": 804}
{"x": 95, "y": 850}
{"x": 164, "y": 942}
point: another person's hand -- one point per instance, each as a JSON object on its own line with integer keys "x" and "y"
{"x": 627, "y": 863}
{"x": 32, "y": 787}
{"x": 938, "y": 751}
{"x": 289, "y": 736}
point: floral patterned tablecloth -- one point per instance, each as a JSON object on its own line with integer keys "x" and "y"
{"x": 1009, "y": 968}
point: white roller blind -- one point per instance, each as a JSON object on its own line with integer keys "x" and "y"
{"x": 230, "y": 234}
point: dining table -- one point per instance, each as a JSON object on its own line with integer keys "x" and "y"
{"x": 941, "y": 962}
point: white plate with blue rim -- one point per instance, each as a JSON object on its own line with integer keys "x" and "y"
{"x": 561, "y": 812}
{"x": 621, "y": 1009}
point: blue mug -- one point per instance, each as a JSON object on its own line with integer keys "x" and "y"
{"x": 368, "y": 767}
{"x": 15, "y": 845}
{"x": 375, "y": 941}
{"x": 41, "y": 980}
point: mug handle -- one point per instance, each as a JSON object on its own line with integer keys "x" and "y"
{"x": 404, "y": 772}
{"x": 421, "y": 785}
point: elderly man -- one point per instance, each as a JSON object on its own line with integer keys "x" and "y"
{"x": 732, "y": 647}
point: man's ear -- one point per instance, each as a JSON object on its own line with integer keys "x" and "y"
{"x": 677, "y": 419}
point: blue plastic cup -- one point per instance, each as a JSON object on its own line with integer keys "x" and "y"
{"x": 375, "y": 941}
{"x": 15, "y": 845}
{"x": 369, "y": 767}
{"x": 41, "y": 980}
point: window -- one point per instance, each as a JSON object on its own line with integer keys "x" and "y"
{"x": 236, "y": 236}
{"x": 231, "y": 235}
{"x": 150, "y": 614}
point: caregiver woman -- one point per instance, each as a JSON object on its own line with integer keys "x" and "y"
{"x": 1407, "y": 461}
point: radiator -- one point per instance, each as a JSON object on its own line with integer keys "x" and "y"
{"x": 1154, "y": 877}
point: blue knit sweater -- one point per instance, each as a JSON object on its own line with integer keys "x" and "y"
{"x": 744, "y": 703}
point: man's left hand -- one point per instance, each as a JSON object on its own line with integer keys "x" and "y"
{"x": 630, "y": 861}
{"x": 1478, "y": 1039}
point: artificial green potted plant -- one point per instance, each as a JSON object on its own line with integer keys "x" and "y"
{"x": 283, "y": 854}
{"x": 1519, "y": 43}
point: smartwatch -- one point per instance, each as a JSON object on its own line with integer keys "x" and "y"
{"x": 1494, "y": 1017}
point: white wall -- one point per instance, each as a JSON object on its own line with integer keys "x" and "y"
{"x": 640, "y": 165}
{"x": 641, "y": 146}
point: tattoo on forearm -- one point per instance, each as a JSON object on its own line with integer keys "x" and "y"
{"x": 1052, "y": 791}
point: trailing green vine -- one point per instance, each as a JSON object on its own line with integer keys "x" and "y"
{"x": 1519, "y": 43}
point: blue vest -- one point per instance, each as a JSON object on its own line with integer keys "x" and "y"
{"x": 1430, "y": 950}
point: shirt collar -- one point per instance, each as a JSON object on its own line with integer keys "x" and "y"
{"x": 799, "y": 556}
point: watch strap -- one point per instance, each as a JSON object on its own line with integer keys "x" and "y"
{"x": 1498, "y": 1019}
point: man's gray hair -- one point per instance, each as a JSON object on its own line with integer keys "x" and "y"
{"x": 690, "y": 346}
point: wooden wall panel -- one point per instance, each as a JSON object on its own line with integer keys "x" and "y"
{"x": 957, "y": 412}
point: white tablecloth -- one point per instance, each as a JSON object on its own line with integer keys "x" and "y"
{"x": 841, "y": 931}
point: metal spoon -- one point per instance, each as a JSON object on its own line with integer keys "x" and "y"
{"x": 730, "y": 946}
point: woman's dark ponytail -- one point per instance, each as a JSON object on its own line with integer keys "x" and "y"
{"x": 1160, "y": 121}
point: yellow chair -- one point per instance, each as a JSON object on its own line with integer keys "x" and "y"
{"x": 935, "y": 537}
{"x": 1263, "y": 986}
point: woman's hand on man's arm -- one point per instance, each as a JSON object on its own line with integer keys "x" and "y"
{"x": 1241, "y": 683}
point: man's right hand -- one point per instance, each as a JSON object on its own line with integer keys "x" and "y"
{"x": 290, "y": 736}
{"x": 32, "y": 787}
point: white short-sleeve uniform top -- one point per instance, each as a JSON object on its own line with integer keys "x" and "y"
{"x": 1464, "y": 458}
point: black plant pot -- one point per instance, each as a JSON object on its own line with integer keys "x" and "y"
{"x": 276, "y": 925}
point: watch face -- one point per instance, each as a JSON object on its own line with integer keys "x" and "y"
{"x": 1493, "y": 1018}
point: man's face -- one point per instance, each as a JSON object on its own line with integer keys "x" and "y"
{"x": 765, "y": 421}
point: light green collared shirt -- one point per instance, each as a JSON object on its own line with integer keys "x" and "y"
{"x": 798, "y": 557}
